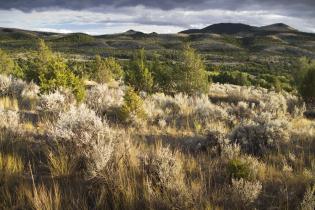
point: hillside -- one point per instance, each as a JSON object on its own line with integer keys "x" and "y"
{"x": 234, "y": 39}
{"x": 223, "y": 123}
{"x": 271, "y": 49}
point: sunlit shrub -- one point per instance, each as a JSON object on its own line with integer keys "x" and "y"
{"x": 276, "y": 103}
{"x": 29, "y": 96}
{"x": 103, "y": 98}
{"x": 88, "y": 133}
{"x": 55, "y": 102}
{"x": 165, "y": 174}
{"x": 10, "y": 86}
{"x": 185, "y": 111}
{"x": 245, "y": 191}
{"x": 245, "y": 167}
{"x": 9, "y": 119}
{"x": 132, "y": 108}
{"x": 262, "y": 135}
{"x": 5, "y": 83}
{"x": 308, "y": 202}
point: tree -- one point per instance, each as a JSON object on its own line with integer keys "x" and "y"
{"x": 106, "y": 69}
{"x": 191, "y": 74}
{"x": 304, "y": 76}
{"x": 276, "y": 83}
{"x": 138, "y": 74}
{"x": 163, "y": 74}
{"x": 302, "y": 67}
{"x": 132, "y": 109}
{"x": 307, "y": 87}
{"x": 51, "y": 72}
{"x": 8, "y": 66}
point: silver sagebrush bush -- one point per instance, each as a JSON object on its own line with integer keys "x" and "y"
{"x": 5, "y": 83}
{"x": 182, "y": 109}
{"x": 308, "y": 202}
{"x": 101, "y": 97}
{"x": 163, "y": 168}
{"x": 245, "y": 191}
{"x": 9, "y": 119}
{"x": 53, "y": 102}
{"x": 261, "y": 135}
{"x": 88, "y": 132}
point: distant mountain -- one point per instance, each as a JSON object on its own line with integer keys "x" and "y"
{"x": 132, "y": 32}
{"x": 223, "y": 28}
{"x": 278, "y": 27}
{"x": 236, "y": 28}
{"x": 76, "y": 37}
{"x": 228, "y": 42}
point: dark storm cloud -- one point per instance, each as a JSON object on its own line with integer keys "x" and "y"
{"x": 27, "y": 5}
{"x": 161, "y": 15}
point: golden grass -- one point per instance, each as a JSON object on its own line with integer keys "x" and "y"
{"x": 42, "y": 198}
{"x": 11, "y": 164}
{"x": 9, "y": 103}
{"x": 61, "y": 163}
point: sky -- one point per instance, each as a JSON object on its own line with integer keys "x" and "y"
{"x": 161, "y": 16}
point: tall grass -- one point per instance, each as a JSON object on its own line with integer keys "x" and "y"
{"x": 235, "y": 148}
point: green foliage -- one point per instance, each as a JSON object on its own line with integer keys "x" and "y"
{"x": 244, "y": 79}
{"x": 238, "y": 169}
{"x": 304, "y": 77}
{"x": 163, "y": 74}
{"x": 76, "y": 37}
{"x": 79, "y": 68}
{"x": 132, "y": 107}
{"x": 105, "y": 70}
{"x": 139, "y": 74}
{"x": 307, "y": 87}
{"x": 51, "y": 72}
{"x": 8, "y": 66}
{"x": 235, "y": 77}
{"x": 301, "y": 70}
{"x": 191, "y": 76}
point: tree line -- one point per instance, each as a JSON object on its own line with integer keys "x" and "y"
{"x": 186, "y": 73}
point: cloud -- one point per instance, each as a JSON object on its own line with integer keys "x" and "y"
{"x": 164, "y": 16}
{"x": 140, "y": 18}
{"x": 305, "y": 6}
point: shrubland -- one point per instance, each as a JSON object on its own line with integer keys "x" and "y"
{"x": 181, "y": 144}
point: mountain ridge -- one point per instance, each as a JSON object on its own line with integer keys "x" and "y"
{"x": 235, "y": 28}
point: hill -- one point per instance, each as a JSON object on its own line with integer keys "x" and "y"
{"x": 223, "y": 28}
{"x": 270, "y": 49}
{"x": 239, "y": 28}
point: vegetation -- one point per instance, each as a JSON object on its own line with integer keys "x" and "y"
{"x": 191, "y": 75}
{"x": 306, "y": 80}
{"x": 139, "y": 74}
{"x": 51, "y": 72}
{"x": 106, "y": 69}
{"x": 132, "y": 108}
{"x": 153, "y": 133}
{"x": 8, "y": 65}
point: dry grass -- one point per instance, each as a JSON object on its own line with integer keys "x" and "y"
{"x": 185, "y": 155}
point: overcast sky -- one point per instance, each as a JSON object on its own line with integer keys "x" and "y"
{"x": 162, "y": 16}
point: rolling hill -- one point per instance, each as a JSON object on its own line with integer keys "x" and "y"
{"x": 231, "y": 45}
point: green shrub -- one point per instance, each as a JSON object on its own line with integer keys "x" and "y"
{"x": 191, "y": 76}
{"x": 132, "y": 108}
{"x": 235, "y": 78}
{"x": 307, "y": 88}
{"x": 238, "y": 169}
{"x": 51, "y": 72}
{"x": 8, "y": 66}
{"x": 139, "y": 74}
{"x": 163, "y": 74}
{"x": 105, "y": 70}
